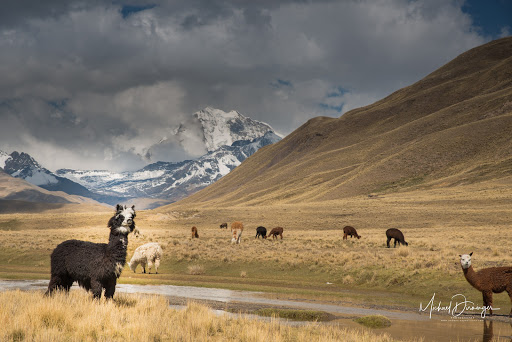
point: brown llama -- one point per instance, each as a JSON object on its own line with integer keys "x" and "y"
{"x": 393, "y": 233}
{"x": 237, "y": 228}
{"x": 349, "y": 230}
{"x": 488, "y": 280}
{"x": 275, "y": 232}
{"x": 194, "y": 232}
{"x": 224, "y": 225}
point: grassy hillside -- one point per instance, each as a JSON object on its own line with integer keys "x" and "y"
{"x": 452, "y": 127}
{"x": 19, "y": 196}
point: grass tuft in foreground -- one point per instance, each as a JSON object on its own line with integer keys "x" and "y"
{"x": 374, "y": 321}
{"x": 28, "y": 316}
{"x": 296, "y": 315}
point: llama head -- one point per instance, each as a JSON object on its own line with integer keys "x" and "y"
{"x": 123, "y": 220}
{"x": 465, "y": 260}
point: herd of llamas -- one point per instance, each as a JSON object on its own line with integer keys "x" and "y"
{"x": 97, "y": 266}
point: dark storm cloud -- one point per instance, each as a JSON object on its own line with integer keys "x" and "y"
{"x": 101, "y": 82}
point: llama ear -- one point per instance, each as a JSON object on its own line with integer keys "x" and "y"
{"x": 470, "y": 254}
{"x": 133, "y": 207}
{"x": 119, "y": 207}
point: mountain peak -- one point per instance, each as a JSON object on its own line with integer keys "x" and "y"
{"x": 223, "y": 128}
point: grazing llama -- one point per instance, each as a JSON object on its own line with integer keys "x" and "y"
{"x": 237, "y": 228}
{"x": 275, "y": 232}
{"x": 261, "y": 231}
{"x": 146, "y": 255}
{"x": 396, "y": 234}
{"x": 194, "y": 232}
{"x": 349, "y": 230}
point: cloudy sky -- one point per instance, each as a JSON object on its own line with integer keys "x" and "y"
{"x": 90, "y": 84}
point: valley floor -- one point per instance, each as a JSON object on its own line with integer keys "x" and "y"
{"x": 312, "y": 261}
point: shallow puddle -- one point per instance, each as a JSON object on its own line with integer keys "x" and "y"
{"x": 405, "y": 325}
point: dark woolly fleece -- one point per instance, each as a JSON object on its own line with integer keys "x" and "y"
{"x": 95, "y": 266}
{"x": 396, "y": 234}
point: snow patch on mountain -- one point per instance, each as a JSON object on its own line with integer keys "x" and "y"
{"x": 171, "y": 180}
{"x": 223, "y": 128}
{"x": 3, "y": 158}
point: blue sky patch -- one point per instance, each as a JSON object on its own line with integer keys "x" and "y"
{"x": 325, "y": 106}
{"x": 128, "y": 10}
{"x": 337, "y": 92}
{"x": 490, "y": 16}
{"x": 281, "y": 83}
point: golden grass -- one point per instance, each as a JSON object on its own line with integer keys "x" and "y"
{"x": 312, "y": 260}
{"x": 28, "y": 316}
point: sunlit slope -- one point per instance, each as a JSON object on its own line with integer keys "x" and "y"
{"x": 18, "y": 195}
{"x": 452, "y": 127}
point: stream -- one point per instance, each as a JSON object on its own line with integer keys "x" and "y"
{"x": 405, "y": 325}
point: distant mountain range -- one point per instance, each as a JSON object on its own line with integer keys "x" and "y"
{"x": 229, "y": 138}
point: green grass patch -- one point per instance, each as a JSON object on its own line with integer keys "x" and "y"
{"x": 10, "y": 225}
{"x": 374, "y": 321}
{"x": 296, "y": 315}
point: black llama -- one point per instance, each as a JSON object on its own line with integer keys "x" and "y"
{"x": 95, "y": 266}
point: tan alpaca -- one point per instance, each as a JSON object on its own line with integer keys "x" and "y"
{"x": 237, "y": 228}
{"x": 488, "y": 280}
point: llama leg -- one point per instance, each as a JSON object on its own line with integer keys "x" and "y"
{"x": 96, "y": 289}
{"x": 157, "y": 264}
{"x": 344, "y": 236}
{"x": 509, "y": 291}
{"x": 387, "y": 242}
{"x": 150, "y": 264}
{"x": 281, "y": 236}
{"x": 487, "y": 296}
{"x": 66, "y": 284}
{"x": 53, "y": 285}
{"x": 394, "y": 246}
{"x": 110, "y": 289}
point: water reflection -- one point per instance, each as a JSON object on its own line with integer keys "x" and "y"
{"x": 488, "y": 334}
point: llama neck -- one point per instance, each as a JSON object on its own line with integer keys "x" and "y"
{"x": 117, "y": 245}
{"x": 471, "y": 277}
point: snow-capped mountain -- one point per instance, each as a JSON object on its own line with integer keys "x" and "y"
{"x": 229, "y": 138}
{"x": 205, "y": 131}
{"x": 224, "y": 128}
{"x": 170, "y": 180}
{"x": 22, "y": 165}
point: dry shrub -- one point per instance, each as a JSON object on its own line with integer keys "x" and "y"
{"x": 243, "y": 274}
{"x": 348, "y": 279}
{"x": 402, "y": 252}
{"x": 195, "y": 269}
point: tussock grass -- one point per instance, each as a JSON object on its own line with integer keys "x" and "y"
{"x": 195, "y": 269}
{"x": 296, "y": 315}
{"x": 28, "y": 316}
{"x": 374, "y": 321}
